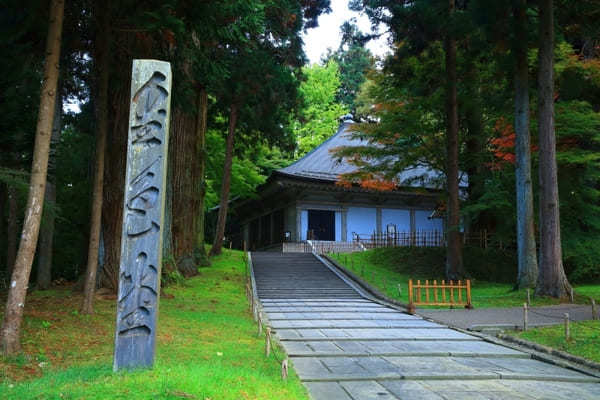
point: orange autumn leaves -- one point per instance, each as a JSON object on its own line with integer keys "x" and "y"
{"x": 367, "y": 181}
{"x": 503, "y": 145}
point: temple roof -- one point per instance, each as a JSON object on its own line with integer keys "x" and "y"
{"x": 321, "y": 164}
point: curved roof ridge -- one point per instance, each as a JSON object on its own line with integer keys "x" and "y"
{"x": 320, "y": 164}
{"x": 341, "y": 129}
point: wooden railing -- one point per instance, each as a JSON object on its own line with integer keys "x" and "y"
{"x": 442, "y": 294}
{"x": 433, "y": 238}
{"x": 401, "y": 239}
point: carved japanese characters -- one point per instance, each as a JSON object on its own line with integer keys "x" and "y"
{"x": 141, "y": 246}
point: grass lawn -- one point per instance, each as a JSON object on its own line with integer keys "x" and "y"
{"x": 387, "y": 268}
{"x": 207, "y": 347}
{"x": 584, "y": 341}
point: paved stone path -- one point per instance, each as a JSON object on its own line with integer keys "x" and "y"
{"x": 492, "y": 319}
{"x": 345, "y": 346}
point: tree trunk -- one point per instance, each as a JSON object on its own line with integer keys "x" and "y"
{"x": 473, "y": 111}
{"x": 225, "y": 185}
{"x": 46, "y": 240}
{"x": 15, "y": 304}
{"x": 526, "y": 249}
{"x": 454, "y": 263}
{"x": 3, "y": 217}
{"x": 182, "y": 143}
{"x": 552, "y": 280}
{"x": 45, "y": 244}
{"x": 11, "y": 229}
{"x": 115, "y": 162}
{"x": 102, "y": 68}
{"x": 200, "y": 256}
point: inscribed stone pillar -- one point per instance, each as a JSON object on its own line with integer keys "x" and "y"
{"x": 143, "y": 215}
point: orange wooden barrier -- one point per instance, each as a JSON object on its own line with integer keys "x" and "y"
{"x": 439, "y": 291}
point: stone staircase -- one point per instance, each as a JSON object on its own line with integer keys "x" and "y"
{"x": 296, "y": 275}
{"x": 344, "y": 346}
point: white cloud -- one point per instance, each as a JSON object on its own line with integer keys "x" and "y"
{"x": 328, "y": 35}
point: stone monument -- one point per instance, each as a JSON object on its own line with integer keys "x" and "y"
{"x": 143, "y": 213}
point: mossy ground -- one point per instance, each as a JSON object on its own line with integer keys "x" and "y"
{"x": 207, "y": 347}
{"x": 386, "y": 268}
{"x": 584, "y": 340}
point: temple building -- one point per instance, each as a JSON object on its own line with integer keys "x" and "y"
{"x": 303, "y": 202}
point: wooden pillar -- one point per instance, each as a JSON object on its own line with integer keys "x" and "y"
{"x": 298, "y": 224}
{"x": 246, "y": 233}
{"x": 378, "y": 220}
{"x": 344, "y": 225}
{"x": 272, "y": 233}
{"x": 259, "y": 234}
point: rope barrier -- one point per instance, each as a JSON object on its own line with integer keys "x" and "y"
{"x": 561, "y": 318}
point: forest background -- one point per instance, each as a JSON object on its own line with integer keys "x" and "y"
{"x": 245, "y": 102}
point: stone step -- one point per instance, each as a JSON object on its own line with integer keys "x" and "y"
{"x": 371, "y": 333}
{"x": 374, "y": 308}
{"x": 431, "y": 368}
{"x": 452, "y": 389}
{"x": 353, "y": 324}
{"x": 273, "y": 316}
{"x": 267, "y": 301}
{"x": 345, "y": 347}
{"x": 337, "y": 303}
{"x": 403, "y": 348}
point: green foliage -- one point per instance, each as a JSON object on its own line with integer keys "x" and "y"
{"x": 73, "y": 187}
{"x": 410, "y": 119}
{"x": 578, "y": 132}
{"x": 251, "y": 167}
{"x": 245, "y": 176}
{"x": 406, "y": 98}
{"x": 388, "y": 268}
{"x": 585, "y": 336}
{"x": 319, "y": 117}
{"x": 16, "y": 178}
{"x": 354, "y": 60}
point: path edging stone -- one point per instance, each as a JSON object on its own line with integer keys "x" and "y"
{"x": 554, "y": 358}
{"x": 551, "y": 351}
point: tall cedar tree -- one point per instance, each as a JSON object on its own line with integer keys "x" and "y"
{"x": 102, "y": 73}
{"x": 200, "y": 256}
{"x": 526, "y": 249}
{"x": 15, "y": 304}
{"x": 226, "y": 183}
{"x": 454, "y": 262}
{"x": 262, "y": 86}
{"x": 417, "y": 25}
{"x": 552, "y": 280}
{"x": 46, "y": 240}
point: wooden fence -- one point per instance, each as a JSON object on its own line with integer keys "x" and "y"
{"x": 442, "y": 294}
{"x": 424, "y": 238}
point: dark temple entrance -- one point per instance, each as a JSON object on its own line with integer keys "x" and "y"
{"x": 322, "y": 224}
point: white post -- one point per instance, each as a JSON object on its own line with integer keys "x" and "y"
{"x": 268, "y": 342}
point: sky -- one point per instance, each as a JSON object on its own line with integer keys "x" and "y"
{"x": 327, "y": 34}
{"x": 317, "y": 40}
